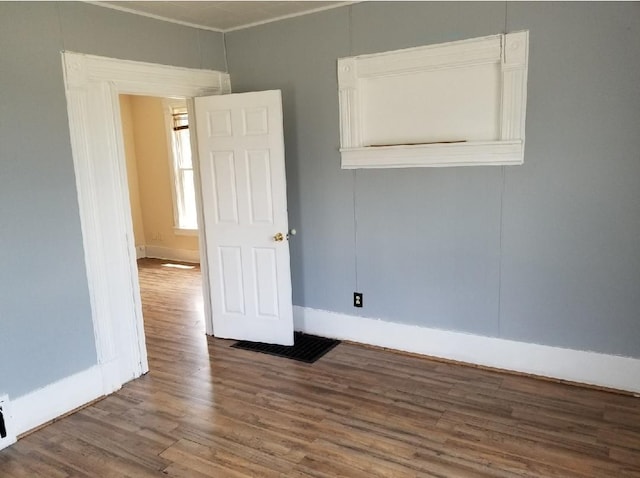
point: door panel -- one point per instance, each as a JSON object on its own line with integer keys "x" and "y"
{"x": 241, "y": 151}
{"x": 260, "y": 191}
{"x": 224, "y": 178}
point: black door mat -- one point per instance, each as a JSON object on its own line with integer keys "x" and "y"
{"x": 305, "y": 348}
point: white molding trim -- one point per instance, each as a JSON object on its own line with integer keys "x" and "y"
{"x": 611, "y": 371}
{"x": 7, "y": 416}
{"x": 92, "y": 86}
{"x": 485, "y": 153}
{"x": 213, "y": 29}
{"x": 141, "y": 252}
{"x": 45, "y": 404}
{"x": 515, "y": 59}
{"x": 508, "y": 51}
{"x": 151, "y": 15}
{"x": 202, "y": 236}
{"x": 185, "y": 232}
{"x": 291, "y": 15}
{"x": 473, "y": 51}
{"x": 167, "y": 253}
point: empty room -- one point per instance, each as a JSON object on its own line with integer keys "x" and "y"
{"x": 444, "y": 195}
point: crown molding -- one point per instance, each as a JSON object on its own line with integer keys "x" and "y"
{"x": 212, "y": 29}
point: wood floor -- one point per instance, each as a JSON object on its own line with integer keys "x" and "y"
{"x": 207, "y": 410}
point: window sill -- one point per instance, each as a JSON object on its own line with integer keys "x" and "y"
{"x": 475, "y": 153}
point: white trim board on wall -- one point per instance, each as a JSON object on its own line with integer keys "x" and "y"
{"x": 8, "y": 438}
{"x": 167, "y": 253}
{"x": 461, "y": 103}
{"x": 59, "y": 398}
{"x": 92, "y": 86}
{"x": 610, "y": 371}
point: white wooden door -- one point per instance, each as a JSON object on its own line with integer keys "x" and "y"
{"x": 244, "y": 199}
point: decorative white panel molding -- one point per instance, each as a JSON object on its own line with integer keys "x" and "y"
{"x": 265, "y": 267}
{"x": 453, "y": 104}
{"x": 219, "y": 124}
{"x": 223, "y": 169}
{"x": 260, "y": 190}
{"x": 231, "y": 280}
{"x": 254, "y": 121}
{"x": 514, "y": 85}
{"x": 349, "y": 104}
{"x": 476, "y": 153}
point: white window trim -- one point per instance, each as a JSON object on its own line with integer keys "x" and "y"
{"x": 509, "y": 50}
{"x": 168, "y": 105}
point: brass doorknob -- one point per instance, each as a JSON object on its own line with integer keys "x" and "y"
{"x": 278, "y": 237}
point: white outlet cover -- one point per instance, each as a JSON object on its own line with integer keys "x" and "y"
{"x": 5, "y": 407}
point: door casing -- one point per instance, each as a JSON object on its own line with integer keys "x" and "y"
{"x": 93, "y": 85}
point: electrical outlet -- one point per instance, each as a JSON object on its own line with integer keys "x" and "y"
{"x": 3, "y": 427}
{"x": 7, "y": 436}
{"x": 357, "y": 299}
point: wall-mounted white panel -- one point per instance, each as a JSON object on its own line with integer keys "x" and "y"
{"x": 265, "y": 273}
{"x": 231, "y": 279}
{"x": 435, "y": 106}
{"x": 226, "y": 195}
{"x": 416, "y": 107}
{"x": 219, "y": 124}
{"x": 254, "y": 121}
{"x": 260, "y": 190}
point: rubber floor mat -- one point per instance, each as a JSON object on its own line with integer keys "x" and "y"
{"x": 305, "y": 348}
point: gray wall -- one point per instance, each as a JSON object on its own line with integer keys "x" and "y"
{"x": 46, "y": 331}
{"x": 547, "y": 252}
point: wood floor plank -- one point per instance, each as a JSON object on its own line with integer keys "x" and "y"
{"x": 208, "y": 410}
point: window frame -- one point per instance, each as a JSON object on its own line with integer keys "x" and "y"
{"x": 170, "y": 105}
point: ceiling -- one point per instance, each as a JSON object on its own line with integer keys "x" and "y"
{"x": 220, "y": 16}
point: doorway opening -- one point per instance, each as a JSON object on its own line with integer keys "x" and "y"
{"x": 92, "y": 85}
{"x": 162, "y": 202}
{"x": 252, "y": 126}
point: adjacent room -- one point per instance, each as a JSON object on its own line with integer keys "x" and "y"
{"x": 451, "y": 189}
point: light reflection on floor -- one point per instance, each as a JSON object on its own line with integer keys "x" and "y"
{"x": 178, "y": 266}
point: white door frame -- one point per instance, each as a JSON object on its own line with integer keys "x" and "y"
{"x": 93, "y": 85}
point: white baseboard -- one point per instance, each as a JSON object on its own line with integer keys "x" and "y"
{"x": 611, "y": 371}
{"x": 45, "y": 404}
{"x": 181, "y": 255}
{"x": 6, "y": 415}
{"x": 48, "y": 403}
{"x": 141, "y": 252}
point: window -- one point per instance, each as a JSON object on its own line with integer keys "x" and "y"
{"x": 184, "y": 194}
